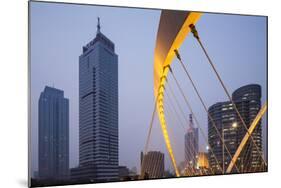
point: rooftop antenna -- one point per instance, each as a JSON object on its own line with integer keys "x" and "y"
{"x": 190, "y": 122}
{"x": 98, "y": 26}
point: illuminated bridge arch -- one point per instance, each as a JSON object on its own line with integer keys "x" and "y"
{"x": 172, "y": 31}
{"x": 173, "y": 28}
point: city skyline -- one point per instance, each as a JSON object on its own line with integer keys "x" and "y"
{"x": 148, "y": 95}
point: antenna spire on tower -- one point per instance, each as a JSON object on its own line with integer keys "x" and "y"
{"x": 190, "y": 122}
{"x": 98, "y": 26}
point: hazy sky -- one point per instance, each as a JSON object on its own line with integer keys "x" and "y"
{"x": 237, "y": 45}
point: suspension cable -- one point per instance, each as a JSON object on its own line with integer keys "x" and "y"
{"x": 169, "y": 120}
{"x": 256, "y": 166}
{"x": 246, "y": 158}
{"x": 173, "y": 94}
{"x": 196, "y": 36}
{"x": 192, "y": 169}
{"x": 176, "y": 112}
{"x": 150, "y": 128}
{"x": 246, "y": 137}
{"x": 182, "y": 125}
{"x": 191, "y": 111}
{"x": 203, "y": 103}
{"x": 172, "y": 118}
{"x": 148, "y": 135}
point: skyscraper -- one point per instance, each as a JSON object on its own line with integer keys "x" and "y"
{"x": 53, "y": 121}
{"x": 191, "y": 144}
{"x": 98, "y": 110}
{"x": 224, "y": 117}
{"x": 248, "y": 102}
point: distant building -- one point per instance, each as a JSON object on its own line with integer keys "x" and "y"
{"x": 248, "y": 102}
{"x": 182, "y": 167}
{"x": 53, "y": 135}
{"x": 133, "y": 171}
{"x": 77, "y": 174}
{"x": 98, "y": 111}
{"x": 202, "y": 161}
{"x": 191, "y": 144}
{"x": 169, "y": 174}
{"x": 124, "y": 173}
{"x": 152, "y": 165}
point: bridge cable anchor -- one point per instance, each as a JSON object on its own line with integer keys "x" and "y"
{"x": 194, "y": 31}
{"x": 177, "y": 54}
{"x": 169, "y": 67}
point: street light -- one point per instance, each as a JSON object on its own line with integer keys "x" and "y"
{"x": 234, "y": 125}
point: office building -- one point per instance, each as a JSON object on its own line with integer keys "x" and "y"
{"x": 53, "y": 121}
{"x": 202, "y": 161}
{"x": 124, "y": 173}
{"x": 248, "y": 102}
{"x": 152, "y": 165}
{"x": 98, "y": 111}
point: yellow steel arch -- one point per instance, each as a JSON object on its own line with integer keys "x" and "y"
{"x": 173, "y": 29}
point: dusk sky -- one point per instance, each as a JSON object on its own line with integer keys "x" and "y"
{"x": 236, "y": 44}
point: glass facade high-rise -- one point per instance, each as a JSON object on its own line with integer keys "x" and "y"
{"x": 224, "y": 117}
{"x": 53, "y": 135}
{"x": 248, "y": 102}
{"x": 98, "y": 110}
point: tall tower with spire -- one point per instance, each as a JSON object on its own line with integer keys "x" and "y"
{"x": 191, "y": 143}
{"x": 98, "y": 110}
